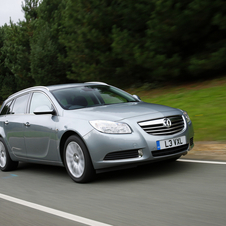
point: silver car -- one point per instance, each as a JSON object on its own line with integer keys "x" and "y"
{"x": 89, "y": 128}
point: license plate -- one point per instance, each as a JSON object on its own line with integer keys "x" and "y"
{"x": 170, "y": 143}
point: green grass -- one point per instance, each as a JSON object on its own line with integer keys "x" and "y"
{"x": 205, "y": 103}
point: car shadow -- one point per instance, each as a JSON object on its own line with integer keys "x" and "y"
{"x": 151, "y": 170}
{"x": 40, "y": 169}
{"x": 147, "y": 171}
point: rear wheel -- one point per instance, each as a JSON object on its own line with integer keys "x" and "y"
{"x": 77, "y": 160}
{"x": 6, "y": 163}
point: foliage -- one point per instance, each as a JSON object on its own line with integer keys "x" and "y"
{"x": 46, "y": 65}
{"x": 7, "y": 81}
{"x": 91, "y": 40}
{"x": 17, "y": 46}
{"x": 123, "y": 43}
{"x": 204, "y": 102}
{"x": 145, "y": 41}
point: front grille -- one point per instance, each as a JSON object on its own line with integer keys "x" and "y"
{"x": 169, "y": 151}
{"x": 122, "y": 155}
{"x": 158, "y": 128}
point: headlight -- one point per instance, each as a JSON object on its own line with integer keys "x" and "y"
{"x": 110, "y": 127}
{"x": 186, "y": 116}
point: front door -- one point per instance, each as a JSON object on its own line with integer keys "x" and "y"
{"x": 40, "y": 131}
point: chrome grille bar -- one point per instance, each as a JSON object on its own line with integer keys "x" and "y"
{"x": 157, "y": 126}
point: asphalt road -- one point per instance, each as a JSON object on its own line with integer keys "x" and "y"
{"x": 166, "y": 194}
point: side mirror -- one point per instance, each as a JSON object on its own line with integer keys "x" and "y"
{"x": 44, "y": 109}
{"x": 137, "y": 97}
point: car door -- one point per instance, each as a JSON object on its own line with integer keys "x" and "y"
{"x": 14, "y": 125}
{"x": 40, "y": 130}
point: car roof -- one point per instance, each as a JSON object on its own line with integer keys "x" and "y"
{"x": 63, "y": 86}
{"x": 55, "y": 87}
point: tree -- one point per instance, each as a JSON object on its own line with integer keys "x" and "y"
{"x": 7, "y": 80}
{"x": 184, "y": 39}
{"x": 17, "y": 46}
{"x": 144, "y": 41}
{"x": 120, "y": 42}
{"x": 88, "y": 38}
{"x": 47, "y": 53}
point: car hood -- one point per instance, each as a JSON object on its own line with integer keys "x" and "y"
{"x": 117, "y": 112}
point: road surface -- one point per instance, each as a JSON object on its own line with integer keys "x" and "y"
{"x": 164, "y": 194}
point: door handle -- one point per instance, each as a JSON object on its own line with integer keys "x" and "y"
{"x": 6, "y": 122}
{"x": 27, "y": 124}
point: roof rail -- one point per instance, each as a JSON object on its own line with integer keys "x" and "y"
{"x": 101, "y": 83}
{"x": 27, "y": 89}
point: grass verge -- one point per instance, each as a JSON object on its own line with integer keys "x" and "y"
{"x": 205, "y": 103}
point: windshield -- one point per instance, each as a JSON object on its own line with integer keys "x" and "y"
{"x": 90, "y": 96}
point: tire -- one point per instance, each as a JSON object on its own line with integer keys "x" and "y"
{"x": 6, "y": 163}
{"x": 77, "y": 160}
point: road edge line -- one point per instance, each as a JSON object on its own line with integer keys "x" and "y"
{"x": 201, "y": 161}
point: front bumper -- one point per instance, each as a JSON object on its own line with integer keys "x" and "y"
{"x": 123, "y": 150}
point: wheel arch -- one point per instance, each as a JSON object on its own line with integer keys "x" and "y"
{"x": 63, "y": 140}
{"x": 2, "y": 132}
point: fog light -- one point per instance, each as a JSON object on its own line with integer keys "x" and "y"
{"x": 140, "y": 153}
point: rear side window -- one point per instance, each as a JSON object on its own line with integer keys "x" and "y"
{"x": 20, "y": 104}
{"x": 7, "y": 109}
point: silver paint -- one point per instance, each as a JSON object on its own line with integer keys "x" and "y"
{"x": 43, "y": 140}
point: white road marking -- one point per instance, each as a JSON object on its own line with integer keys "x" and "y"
{"x": 202, "y": 161}
{"x": 53, "y": 211}
{"x": 76, "y": 218}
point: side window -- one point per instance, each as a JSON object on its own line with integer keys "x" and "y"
{"x": 20, "y": 104}
{"x": 39, "y": 99}
{"x": 6, "y": 109}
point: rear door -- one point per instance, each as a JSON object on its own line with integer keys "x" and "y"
{"x": 14, "y": 125}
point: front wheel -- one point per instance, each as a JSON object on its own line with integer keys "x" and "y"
{"x": 6, "y": 163}
{"x": 77, "y": 160}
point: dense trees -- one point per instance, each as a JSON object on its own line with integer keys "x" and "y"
{"x": 47, "y": 53}
{"x": 145, "y": 40}
{"x": 7, "y": 79}
{"x": 16, "y": 50}
{"x": 122, "y": 42}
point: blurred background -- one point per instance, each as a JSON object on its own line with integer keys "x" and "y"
{"x": 169, "y": 52}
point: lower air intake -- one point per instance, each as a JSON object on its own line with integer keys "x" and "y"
{"x": 169, "y": 151}
{"x": 121, "y": 155}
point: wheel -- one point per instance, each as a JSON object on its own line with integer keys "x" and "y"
{"x": 77, "y": 160}
{"x": 6, "y": 163}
